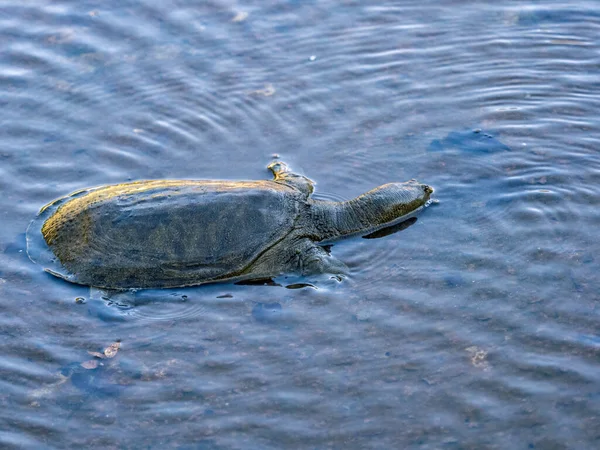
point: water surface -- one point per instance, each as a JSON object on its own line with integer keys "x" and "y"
{"x": 476, "y": 327}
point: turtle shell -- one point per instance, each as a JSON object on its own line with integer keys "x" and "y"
{"x": 159, "y": 234}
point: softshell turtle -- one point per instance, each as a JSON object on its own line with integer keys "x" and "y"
{"x": 173, "y": 233}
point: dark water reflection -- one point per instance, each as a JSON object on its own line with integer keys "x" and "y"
{"x": 476, "y": 327}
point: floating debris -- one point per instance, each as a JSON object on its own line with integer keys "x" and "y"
{"x": 312, "y": 57}
{"x": 240, "y": 16}
{"x": 267, "y": 91}
{"x": 90, "y": 365}
{"x": 112, "y": 349}
{"x": 478, "y": 357}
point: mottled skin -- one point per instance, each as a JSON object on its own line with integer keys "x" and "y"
{"x": 171, "y": 233}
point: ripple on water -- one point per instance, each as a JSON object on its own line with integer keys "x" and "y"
{"x": 368, "y": 256}
{"x": 482, "y": 313}
{"x": 151, "y": 306}
{"x": 205, "y": 303}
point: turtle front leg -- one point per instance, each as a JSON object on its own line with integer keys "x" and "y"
{"x": 309, "y": 259}
{"x": 283, "y": 175}
{"x": 314, "y": 259}
{"x": 301, "y": 256}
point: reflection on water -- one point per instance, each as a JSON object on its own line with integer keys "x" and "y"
{"x": 391, "y": 230}
{"x": 474, "y": 327}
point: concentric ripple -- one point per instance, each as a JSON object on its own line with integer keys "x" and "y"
{"x": 475, "y": 327}
{"x": 153, "y": 306}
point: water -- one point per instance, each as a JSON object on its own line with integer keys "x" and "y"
{"x": 475, "y": 327}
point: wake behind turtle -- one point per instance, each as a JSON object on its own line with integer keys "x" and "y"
{"x": 173, "y": 233}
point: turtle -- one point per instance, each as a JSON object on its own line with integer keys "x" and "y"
{"x": 176, "y": 233}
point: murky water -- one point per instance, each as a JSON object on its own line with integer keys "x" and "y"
{"x": 476, "y": 327}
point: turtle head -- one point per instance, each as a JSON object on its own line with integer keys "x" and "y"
{"x": 394, "y": 202}
{"x": 382, "y": 207}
